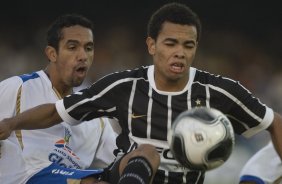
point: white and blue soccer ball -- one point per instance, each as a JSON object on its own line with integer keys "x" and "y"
{"x": 201, "y": 138}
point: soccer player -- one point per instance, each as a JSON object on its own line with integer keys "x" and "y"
{"x": 70, "y": 52}
{"x": 265, "y": 167}
{"x": 147, "y": 100}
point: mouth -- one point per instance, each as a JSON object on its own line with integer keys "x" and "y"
{"x": 177, "y": 67}
{"x": 81, "y": 70}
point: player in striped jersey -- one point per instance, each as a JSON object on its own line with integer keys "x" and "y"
{"x": 146, "y": 100}
{"x": 57, "y": 154}
{"x": 265, "y": 167}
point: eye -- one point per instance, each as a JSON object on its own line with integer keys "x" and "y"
{"x": 189, "y": 46}
{"x": 71, "y": 47}
{"x": 89, "y": 48}
{"x": 170, "y": 44}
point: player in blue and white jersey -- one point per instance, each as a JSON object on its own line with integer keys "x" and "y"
{"x": 59, "y": 154}
{"x": 264, "y": 167}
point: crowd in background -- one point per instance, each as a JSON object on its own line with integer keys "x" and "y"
{"x": 255, "y": 63}
{"x": 252, "y": 59}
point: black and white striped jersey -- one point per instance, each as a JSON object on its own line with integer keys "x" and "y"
{"x": 145, "y": 113}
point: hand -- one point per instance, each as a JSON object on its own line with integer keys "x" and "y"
{"x": 5, "y": 129}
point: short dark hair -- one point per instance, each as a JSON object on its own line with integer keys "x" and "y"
{"x": 54, "y": 33}
{"x": 175, "y": 13}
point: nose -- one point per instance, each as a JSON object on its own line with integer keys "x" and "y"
{"x": 82, "y": 55}
{"x": 179, "y": 53}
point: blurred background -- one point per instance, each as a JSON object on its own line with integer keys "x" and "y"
{"x": 241, "y": 39}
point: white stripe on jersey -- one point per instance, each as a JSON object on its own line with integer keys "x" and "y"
{"x": 169, "y": 115}
{"x": 251, "y": 131}
{"x": 130, "y": 104}
{"x": 100, "y": 94}
{"x": 208, "y": 97}
{"x": 149, "y": 112}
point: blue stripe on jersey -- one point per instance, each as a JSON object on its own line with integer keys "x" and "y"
{"x": 250, "y": 178}
{"x": 26, "y": 77}
{"x": 57, "y": 174}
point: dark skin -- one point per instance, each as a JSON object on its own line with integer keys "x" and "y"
{"x": 173, "y": 53}
{"x": 69, "y": 64}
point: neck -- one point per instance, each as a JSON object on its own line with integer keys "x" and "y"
{"x": 58, "y": 86}
{"x": 170, "y": 86}
{"x": 61, "y": 93}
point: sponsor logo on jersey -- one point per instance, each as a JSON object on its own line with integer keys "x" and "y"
{"x": 64, "y": 144}
{"x": 62, "y": 172}
{"x": 198, "y": 102}
{"x": 133, "y": 116}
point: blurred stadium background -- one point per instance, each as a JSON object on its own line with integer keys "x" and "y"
{"x": 241, "y": 39}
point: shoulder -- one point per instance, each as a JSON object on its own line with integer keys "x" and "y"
{"x": 216, "y": 80}
{"x": 27, "y": 77}
{"x": 15, "y": 82}
{"x": 11, "y": 83}
{"x": 122, "y": 77}
{"x": 20, "y": 79}
{"x": 133, "y": 73}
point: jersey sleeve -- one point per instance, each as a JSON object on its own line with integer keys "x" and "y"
{"x": 64, "y": 115}
{"x": 264, "y": 124}
{"x": 8, "y": 92}
{"x": 247, "y": 113}
{"x": 99, "y": 100}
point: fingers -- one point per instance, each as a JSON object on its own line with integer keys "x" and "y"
{"x": 4, "y": 131}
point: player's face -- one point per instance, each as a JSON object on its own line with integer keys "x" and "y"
{"x": 173, "y": 53}
{"x": 75, "y": 55}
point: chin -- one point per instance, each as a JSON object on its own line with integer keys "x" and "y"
{"x": 77, "y": 83}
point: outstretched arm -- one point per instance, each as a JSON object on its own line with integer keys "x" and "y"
{"x": 276, "y": 133}
{"x": 42, "y": 116}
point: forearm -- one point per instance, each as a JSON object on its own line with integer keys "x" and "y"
{"x": 42, "y": 116}
{"x": 276, "y": 133}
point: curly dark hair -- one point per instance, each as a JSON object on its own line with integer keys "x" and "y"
{"x": 54, "y": 34}
{"x": 175, "y": 13}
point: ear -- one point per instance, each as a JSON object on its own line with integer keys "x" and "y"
{"x": 51, "y": 53}
{"x": 151, "y": 44}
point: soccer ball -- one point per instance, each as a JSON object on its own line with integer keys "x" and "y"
{"x": 201, "y": 138}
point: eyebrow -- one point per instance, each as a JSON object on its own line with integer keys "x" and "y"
{"x": 76, "y": 41}
{"x": 72, "y": 41}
